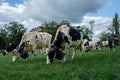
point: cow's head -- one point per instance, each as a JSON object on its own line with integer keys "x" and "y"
{"x": 20, "y": 52}
{"x": 15, "y": 55}
{"x": 23, "y": 54}
{"x": 50, "y": 56}
{"x": 54, "y": 53}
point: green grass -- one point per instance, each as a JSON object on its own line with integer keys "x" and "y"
{"x": 96, "y": 65}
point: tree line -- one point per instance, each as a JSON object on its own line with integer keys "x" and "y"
{"x": 14, "y": 31}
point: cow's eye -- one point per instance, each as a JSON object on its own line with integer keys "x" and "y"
{"x": 15, "y": 54}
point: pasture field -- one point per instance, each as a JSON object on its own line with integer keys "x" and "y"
{"x": 96, "y": 65}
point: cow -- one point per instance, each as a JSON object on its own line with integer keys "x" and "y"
{"x": 105, "y": 43}
{"x": 10, "y": 47}
{"x": 94, "y": 45}
{"x": 112, "y": 42}
{"x": 85, "y": 46}
{"x": 65, "y": 37}
{"x": 31, "y": 42}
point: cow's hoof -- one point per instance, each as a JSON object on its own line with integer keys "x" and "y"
{"x": 49, "y": 63}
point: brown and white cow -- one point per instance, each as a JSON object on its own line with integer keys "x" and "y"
{"x": 30, "y": 42}
{"x": 65, "y": 37}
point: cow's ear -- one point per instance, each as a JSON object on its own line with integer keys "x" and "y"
{"x": 14, "y": 51}
{"x": 46, "y": 53}
{"x": 15, "y": 54}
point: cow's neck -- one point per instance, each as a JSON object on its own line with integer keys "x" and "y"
{"x": 59, "y": 39}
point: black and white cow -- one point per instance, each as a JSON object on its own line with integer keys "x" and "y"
{"x": 112, "y": 42}
{"x": 20, "y": 52}
{"x": 86, "y": 46}
{"x": 64, "y": 38}
{"x": 10, "y": 48}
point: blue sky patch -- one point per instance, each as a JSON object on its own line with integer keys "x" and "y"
{"x": 13, "y": 2}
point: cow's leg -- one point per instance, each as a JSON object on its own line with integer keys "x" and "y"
{"x": 65, "y": 50}
{"x": 34, "y": 53}
{"x": 110, "y": 48}
{"x": 80, "y": 53}
{"x": 48, "y": 60}
{"x": 64, "y": 58}
{"x": 74, "y": 51}
{"x": 42, "y": 50}
{"x": 81, "y": 48}
{"x": 114, "y": 48}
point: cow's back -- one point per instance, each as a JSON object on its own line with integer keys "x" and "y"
{"x": 36, "y": 40}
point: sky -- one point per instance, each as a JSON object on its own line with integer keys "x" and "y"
{"x": 32, "y": 13}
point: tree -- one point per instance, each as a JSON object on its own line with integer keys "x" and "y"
{"x": 91, "y": 30}
{"x": 114, "y": 28}
{"x": 87, "y": 32}
{"x": 15, "y": 31}
{"x": 103, "y": 36}
{"x": 51, "y": 28}
{"x": 3, "y": 39}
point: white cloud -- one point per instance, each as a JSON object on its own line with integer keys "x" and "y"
{"x": 57, "y": 10}
{"x": 30, "y": 23}
{"x": 100, "y": 24}
{"x": 17, "y": 13}
{"x": 33, "y": 12}
{"x": 47, "y": 10}
{"x": 9, "y": 13}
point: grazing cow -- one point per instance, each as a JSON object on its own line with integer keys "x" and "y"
{"x": 112, "y": 42}
{"x": 85, "y": 45}
{"x": 94, "y": 45}
{"x": 105, "y": 43}
{"x": 30, "y": 42}
{"x": 65, "y": 37}
{"x": 10, "y": 48}
{"x": 20, "y": 52}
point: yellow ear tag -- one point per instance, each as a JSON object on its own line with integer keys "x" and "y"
{"x": 46, "y": 52}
